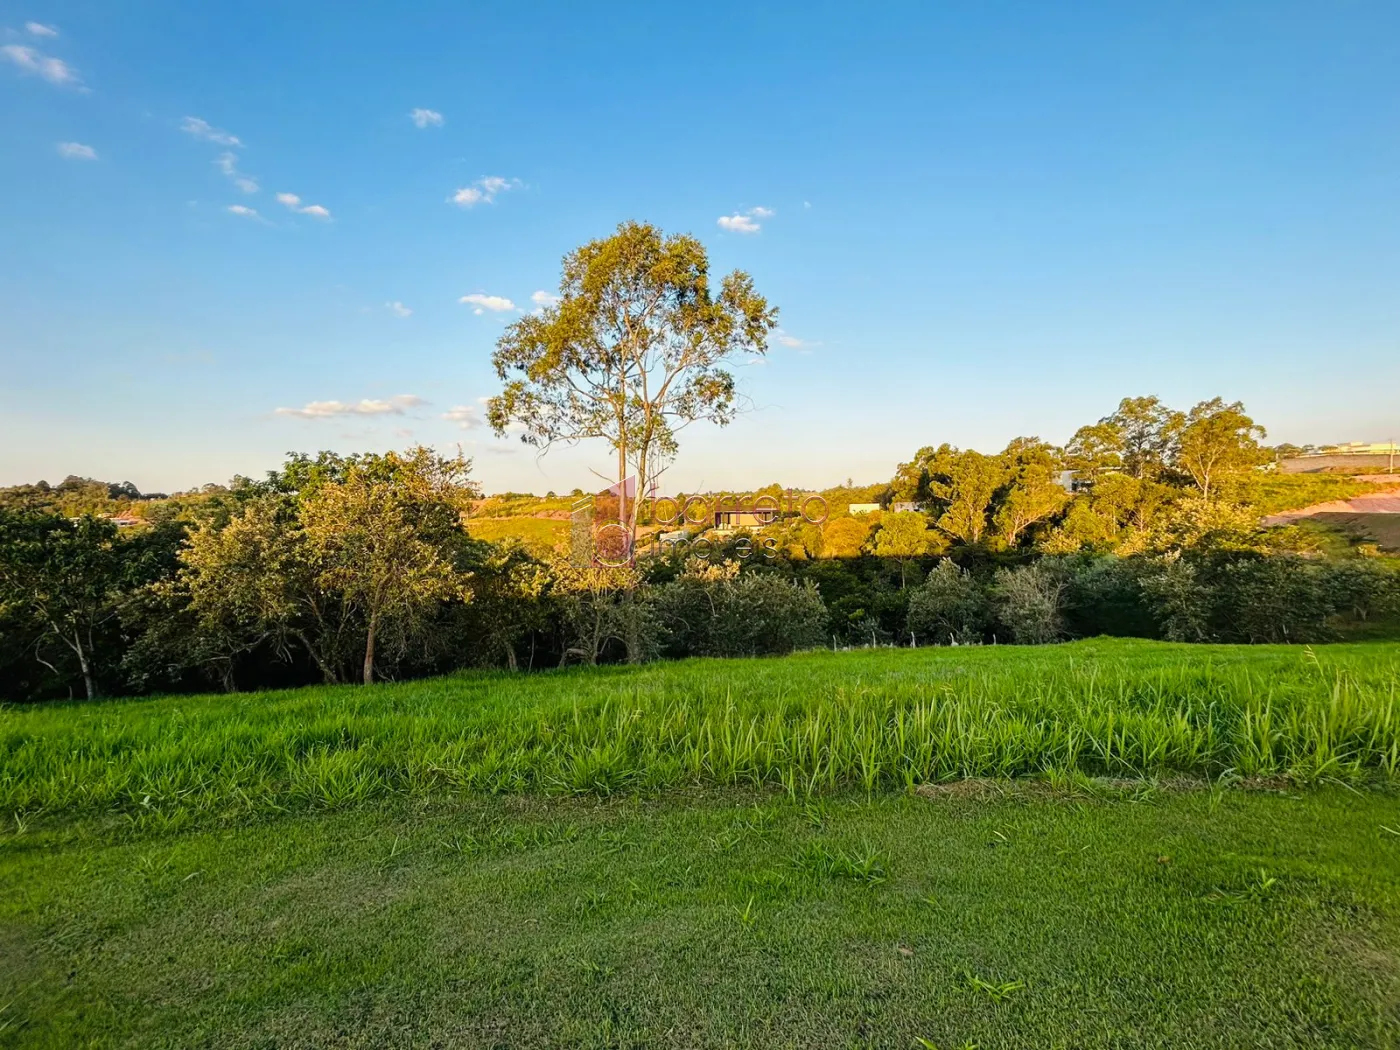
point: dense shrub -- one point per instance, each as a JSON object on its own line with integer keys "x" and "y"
{"x": 1030, "y": 603}
{"x": 1180, "y": 601}
{"x": 1104, "y": 595}
{"x": 949, "y": 606}
{"x": 749, "y": 614}
{"x": 1278, "y": 599}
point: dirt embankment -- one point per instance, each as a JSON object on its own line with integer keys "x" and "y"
{"x": 1375, "y": 515}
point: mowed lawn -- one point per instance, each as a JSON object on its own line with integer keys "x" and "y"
{"x": 1165, "y": 846}
{"x": 1200, "y": 918}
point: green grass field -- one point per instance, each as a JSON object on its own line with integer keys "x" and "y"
{"x": 1171, "y": 846}
{"x": 874, "y": 720}
{"x": 540, "y": 533}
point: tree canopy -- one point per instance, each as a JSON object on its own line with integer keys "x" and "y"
{"x": 638, "y": 345}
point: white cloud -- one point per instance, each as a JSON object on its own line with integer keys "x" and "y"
{"x": 76, "y": 151}
{"x": 244, "y": 210}
{"x": 746, "y": 221}
{"x": 494, "y": 303}
{"x": 792, "y": 342}
{"x": 465, "y": 416}
{"x": 32, "y": 60}
{"x": 423, "y": 118}
{"x": 738, "y": 224}
{"x": 228, "y": 163}
{"x": 397, "y": 309}
{"x": 393, "y": 406}
{"x": 483, "y": 191}
{"x": 292, "y": 201}
{"x": 543, "y": 298}
{"x": 202, "y": 129}
{"x": 39, "y": 29}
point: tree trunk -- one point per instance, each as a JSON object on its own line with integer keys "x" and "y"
{"x": 632, "y": 636}
{"x": 328, "y": 673}
{"x": 369, "y": 650}
{"x": 83, "y": 663}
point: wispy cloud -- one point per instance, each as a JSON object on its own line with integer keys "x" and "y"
{"x": 483, "y": 191}
{"x": 397, "y": 309}
{"x": 791, "y": 341}
{"x": 32, "y": 60}
{"x": 202, "y": 129}
{"x": 76, "y": 151}
{"x": 244, "y": 210}
{"x": 228, "y": 164}
{"x": 465, "y": 416}
{"x": 746, "y": 221}
{"x": 543, "y": 298}
{"x": 494, "y": 303}
{"x": 393, "y": 406}
{"x": 39, "y": 29}
{"x": 423, "y": 118}
{"x": 293, "y": 202}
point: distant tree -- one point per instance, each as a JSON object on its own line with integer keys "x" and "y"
{"x": 373, "y": 538}
{"x": 1095, "y": 449}
{"x": 68, "y": 576}
{"x": 1148, "y": 431}
{"x": 1199, "y": 524}
{"x": 1217, "y": 441}
{"x": 1033, "y": 490}
{"x": 1122, "y": 514}
{"x": 911, "y": 480}
{"x": 902, "y": 537}
{"x": 253, "y": 581}
{"x": 843, "y": 537}
{"x": 592, "y": 601}
{"x": 637, "y": 347}
{"x": 964, "y": 483}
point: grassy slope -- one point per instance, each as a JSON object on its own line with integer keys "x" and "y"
{"x": 1276, "y": 493}
{"x": 880, "y": 719}
{"x": 544, "y": 533}
{"x": 719, "y": 919}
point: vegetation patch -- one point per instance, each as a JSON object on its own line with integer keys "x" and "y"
{"x": 806, "y": 725}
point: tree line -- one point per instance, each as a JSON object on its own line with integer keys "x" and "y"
{"x": 363, "y": 568}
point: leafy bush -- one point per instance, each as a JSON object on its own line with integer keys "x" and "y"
{"x": 1104, "y": 596}
{"x": 1030, "y": 603}
{"x": 1180, "y": 601}
{"x": 748, "y": 614}
{"x": 1278, "y": 599}
{"x": 949, "y": 606}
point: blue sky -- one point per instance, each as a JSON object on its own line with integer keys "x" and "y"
{"x": 978, "y": 221}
